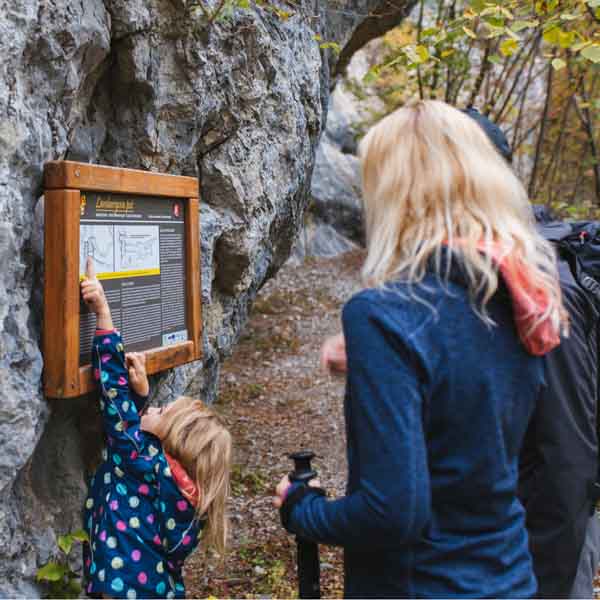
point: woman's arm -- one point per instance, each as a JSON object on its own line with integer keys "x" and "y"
{"x": 391, "y": 502}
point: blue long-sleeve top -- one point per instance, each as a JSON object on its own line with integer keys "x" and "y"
{"x": 436, "y": 408}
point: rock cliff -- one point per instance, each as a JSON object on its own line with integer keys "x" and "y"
{"x": 241, "y": 103}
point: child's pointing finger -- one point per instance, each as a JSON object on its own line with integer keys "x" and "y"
{"x": 90, "y": 271}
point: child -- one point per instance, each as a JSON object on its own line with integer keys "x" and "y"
{"x": 163, "y": 479}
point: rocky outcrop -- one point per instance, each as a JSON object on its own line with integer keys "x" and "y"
{"x": 336, "y": 205}
{"x": 240, "y": 103}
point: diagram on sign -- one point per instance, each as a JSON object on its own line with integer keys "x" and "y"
{"x": 137, "y": 248}
{"x": 97, "y": 242}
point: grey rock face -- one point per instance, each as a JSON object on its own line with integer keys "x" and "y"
{"x": 319, "y": 239}
{"x": 336, "y": 190}
{"x": 336, "y": 183}
{"x": 143, "y": 84}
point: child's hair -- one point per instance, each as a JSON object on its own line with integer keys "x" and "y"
{"x": 193, "y": 434}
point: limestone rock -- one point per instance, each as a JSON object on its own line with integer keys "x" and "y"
{"x": 336, "y": 182}
{"x": 319, "y": 239}
{"x": 336, "y": 190}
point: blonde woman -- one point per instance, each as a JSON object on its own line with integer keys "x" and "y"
{"x": 163, "y": 482}
{"x": 443, "y": 365}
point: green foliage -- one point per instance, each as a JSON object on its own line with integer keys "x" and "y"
{"x": 327, "y": 45}
{"x": 566, "y": 28}
{"x": 58, "y": 575}
{"x": 531, "y": 67}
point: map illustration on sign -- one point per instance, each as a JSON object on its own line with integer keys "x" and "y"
{"x": 137, "y": 248}
{"x": 120, "y": 249}
{"x": 97, "y": 241}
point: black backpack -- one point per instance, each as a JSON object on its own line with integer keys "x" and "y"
{"x": 560, "y": 461}
{"x": 578, "y": 244}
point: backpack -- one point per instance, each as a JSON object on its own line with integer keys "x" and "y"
{"x": 559, "y": 467}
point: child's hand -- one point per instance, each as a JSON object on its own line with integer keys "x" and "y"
{"x": 138, "y": 380}
{"x": 93, "y": 295}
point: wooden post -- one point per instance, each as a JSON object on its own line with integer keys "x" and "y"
{"x": 193, "y": 284}
{"x": 61, "y": 293}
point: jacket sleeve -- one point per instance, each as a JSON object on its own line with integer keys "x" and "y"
{"x": 119, "y": 412}
{"x": 139, "y": 401}
{"x": 390, "y": 503}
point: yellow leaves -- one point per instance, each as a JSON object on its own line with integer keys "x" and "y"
{"x": 551, "y": 35}
{"x": 331, "y": 46}
{"x": 416, "y": 55}
{"x": 566, "y": 38}
{"x": 324, "y": 45}
{"x": 558, "y": 64}
{"x": 546, "y": 7}
{"x": 470, "y": 33}
{"x": 508, "y": 47}
{"x": 422, "y": 53}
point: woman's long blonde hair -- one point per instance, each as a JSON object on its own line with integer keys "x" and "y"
{"x": 193, "y": 434}
{"x": 432, "y": 178}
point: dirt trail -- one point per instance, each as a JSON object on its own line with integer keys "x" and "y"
{"x": 275, "y": 400}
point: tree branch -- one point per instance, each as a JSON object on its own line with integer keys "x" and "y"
{"x": 542, "y": 135}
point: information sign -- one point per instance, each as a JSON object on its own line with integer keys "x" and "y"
{"x": 141, "y": 230}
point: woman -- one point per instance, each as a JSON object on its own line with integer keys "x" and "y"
{"x": 443, "y": 368}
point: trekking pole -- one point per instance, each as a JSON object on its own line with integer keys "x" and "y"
{"x": 309, "y": 576}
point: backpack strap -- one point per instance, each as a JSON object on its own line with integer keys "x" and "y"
{"x": 588, "y": 283}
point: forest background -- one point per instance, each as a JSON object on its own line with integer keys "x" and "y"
{"x": 532, "y": 67}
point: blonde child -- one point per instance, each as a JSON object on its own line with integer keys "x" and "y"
{"x": 163, "y": 480}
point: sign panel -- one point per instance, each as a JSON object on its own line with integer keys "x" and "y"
{"x": 141, "y": 229}
{"x": 137, "y": 244}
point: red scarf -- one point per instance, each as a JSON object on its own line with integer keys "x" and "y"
{"x": 529, "y": 301}
{"x": 184, "y": 482}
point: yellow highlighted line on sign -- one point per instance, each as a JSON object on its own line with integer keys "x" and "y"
{"x": 124, "y": 274}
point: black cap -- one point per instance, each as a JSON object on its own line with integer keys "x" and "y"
{"x": 494, "y": 133}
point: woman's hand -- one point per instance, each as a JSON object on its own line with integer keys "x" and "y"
{"x": 282, "y": 490}
{"x": 333, "y": 355}
{"x": 92, "y": 293}
{"x": 138, "y": 379}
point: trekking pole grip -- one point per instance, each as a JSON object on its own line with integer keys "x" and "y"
{"x": 303, "y": 472}
{"x": 308, "y": 552}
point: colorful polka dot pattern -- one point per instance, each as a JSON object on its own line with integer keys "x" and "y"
{"x": 140, "y": 526}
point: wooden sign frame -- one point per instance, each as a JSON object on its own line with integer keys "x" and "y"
{"x": 64, "y": 181}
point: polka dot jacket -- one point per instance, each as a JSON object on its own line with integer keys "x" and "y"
{"x": 141, "y": 527}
